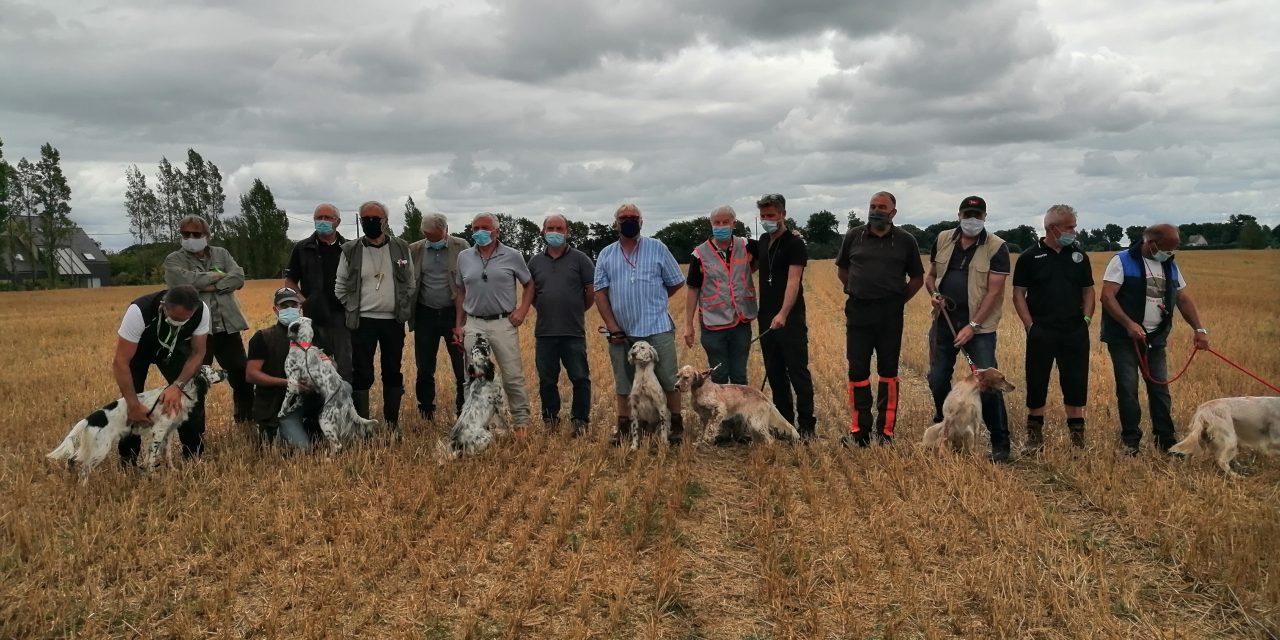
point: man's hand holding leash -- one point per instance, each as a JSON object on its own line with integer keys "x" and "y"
{"x": 779, "y": 321}
{"x": 138, "y": 414}
{"x": 614, "y": 335}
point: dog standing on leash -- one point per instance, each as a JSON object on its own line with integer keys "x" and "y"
{"x": 305, "y": 366}
{"x": 648, "y": 401}
{"x": 1221, "y": 426}
{"x": 91, "y": 439}
{"x": 962, "y": 411}
{"x": 715, "y": 402}
{"x": 481, "y": 414}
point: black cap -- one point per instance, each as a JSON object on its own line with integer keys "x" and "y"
{"x": 772, "y": 200}
{"x": 285, "y": 294}
{"x": 973, "y": 203}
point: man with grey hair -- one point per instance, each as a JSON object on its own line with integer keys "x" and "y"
{"x": 217, "y": 277}
{"x": 635, "y": 276}
{"x": 486, "y": 282}
{"x": 434, "y": 314}
{"x": 721, "y": 291}
{"x": 563, "y": 291}
{"x": 1053, "y": 296}
{"x": 312, "y": 273}
{"x": 376, "y": 285}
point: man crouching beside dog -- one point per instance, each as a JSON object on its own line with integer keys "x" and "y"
{"x": 268, "y": 349}
{"x": 167, "y": 329}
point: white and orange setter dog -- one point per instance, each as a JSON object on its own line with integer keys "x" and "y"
{"x": 715, "y": 402}
{"x": 1221, "y": 426}
{"x": 962, "y": 411}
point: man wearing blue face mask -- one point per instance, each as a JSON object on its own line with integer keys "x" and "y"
{"x": 1053, "y": 295}
{"x": 722, "y": 292}
{"x": 434, "y": 313}
{"x": 967, "y": 272}
{"x": 312, "y": 272}
{"x": 563, "y": 291}
{"x": 268, "y": 349}
{"x": 1140, "y": 289}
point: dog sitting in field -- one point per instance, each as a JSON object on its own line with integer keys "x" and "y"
{"x": 91, "y": 439}
{"x": 1220, "y": 426}
{"x": 481, "y": 415}
{"x": 306, "y": 366}
{"x": 962, "y": 411}
{"x": 648, "y": 401}
{"x": 714, "y": 403}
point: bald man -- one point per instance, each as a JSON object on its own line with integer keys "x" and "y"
{"x": 1140, "y": 289}
{"x": 312, "y": 271}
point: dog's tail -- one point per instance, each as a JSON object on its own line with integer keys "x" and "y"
{"x": 1200, "y": 437}
{"x": 71, "y": 445}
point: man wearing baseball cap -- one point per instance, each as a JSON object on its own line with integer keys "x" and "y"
{"x": 967, "y": 271}
{"x": 268, "y": 349}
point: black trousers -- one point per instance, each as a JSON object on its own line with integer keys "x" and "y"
{"x": 190, "y": 433}
{"x": 1070, "y": 349}
{"x": 786, "y": 366}
{"x": 228, "y": 348}
{"x": 377, "y": 335}
{"x": 432, "y": 326}
{"x": 873, "y": 327}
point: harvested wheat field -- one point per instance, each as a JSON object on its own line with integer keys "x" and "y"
{"x": 554, "y": 537}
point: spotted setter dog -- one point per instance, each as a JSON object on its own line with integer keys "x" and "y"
{"x": 307, "y": 366}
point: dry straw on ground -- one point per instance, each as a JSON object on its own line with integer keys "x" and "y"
{"x": 561, "y": 538}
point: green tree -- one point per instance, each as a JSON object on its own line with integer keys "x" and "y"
{"x": 1024, "y": 236}
{"x": 854, "y": 220}
{"x": 5, "y": 172}
{"x": 579, "y": 233}
{"x": 1114, "y": 234}
{"x": 169, "y": 187}
{"x": 822, "y": 228}
{"x": 53, "y": 201}
{"x": 1251, "y": 236}
{"x": 412, "y": 231}
{"x": 201, "y": 191}
{"x": 1134, "y": 232}
{"x": 22, "y": 215}
{"x": 259, "y": 236}
{"x": 924, "y": 239}
{"x": 141, "y": 206}
{"x": 931, "y": 233}
{"x": 598, "y": 237}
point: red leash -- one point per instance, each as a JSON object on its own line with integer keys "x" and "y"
{"x": 1146, "y": 367}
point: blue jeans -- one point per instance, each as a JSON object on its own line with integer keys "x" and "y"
{"x": 728, "y": 348}
{"x": 549, "y": 353}
{"x": 1124, "y": 365}
{"x": 942, "y": 364}
{"x": 293, "y": 432}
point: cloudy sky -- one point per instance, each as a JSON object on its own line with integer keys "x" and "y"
{"x": 1160, "y": 110}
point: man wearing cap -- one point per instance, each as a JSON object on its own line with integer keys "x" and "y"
{"x": 723, "y": 294}
{"x": 312, "y": 272}
{"x": 635, "y": 277}
{"x": 784, "y": 332}
{"x": 563, "y": 291}
{"x": 967, "y": 271}
{"x": 268, "y": 349}
{"x": 486, "y": 283}
{"x": 1053, "y": 295}
{"x": 217, "y": 276}
{"x": 168, "y": 329}
{"x": 435, "y": 313}
{"x": 1141, "y": 286}
{"x": 376, "y": 284}
{"x": 880, "y": 270}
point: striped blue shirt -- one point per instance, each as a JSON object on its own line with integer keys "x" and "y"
{"x": 637, "y": 286}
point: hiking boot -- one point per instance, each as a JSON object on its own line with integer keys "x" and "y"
{"x": 807, "y": 435}
{"x": 1131, "y": 450}
{"x": 1000, "y": 456}
{"x": 1077, "y": 437}
{"x": 579, "y": 428}
{"x": 850, "y": 440}
{"x": 884, "y": 440}
{"x": 553, "y": 423}
{"x": 1035, "y": 439}
{"x": 427, "y": 415}
{"x": 676, "y": 435}
{"x": 360, "y": 399}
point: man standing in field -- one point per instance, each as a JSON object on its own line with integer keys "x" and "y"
{"x": 435, "y": 314}
{"x": 217, "y": 277}
{"x": 1140, "y": 289}
{"x": 784, "y": 333}
{"x": 723, "y": 294}
{"x": 967, "y": 271}
{"x": 635, "y": 276}
{"x": 375, "y": 282}
{"x": 486, "y": 282}
{"x": 168, "y": 329}
{"x": 879, "y": 268}
{"x": 563, "y": 291}
{"x": 313, "y": 272}
{"x": 1053, "y": 295}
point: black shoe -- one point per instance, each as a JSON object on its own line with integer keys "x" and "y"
{"x": 884, "y": 440}
{"x": 426, "y": 414}
{"x": 852, "y": 440}
{"x": 552, "y": 423}
{"x": 807, "y": 435}
{"x": 1131, "y": 450}
{"x": 579, "y": 428}
{"x": 999, "y": 456}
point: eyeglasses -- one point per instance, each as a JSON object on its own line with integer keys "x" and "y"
{"x": 192, "y": 234}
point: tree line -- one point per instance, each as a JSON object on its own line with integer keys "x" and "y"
{"x": 35, "y": 210}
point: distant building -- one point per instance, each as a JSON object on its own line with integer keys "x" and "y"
{"x": 1197, "y": 241}
{"x": 81, "y": 263}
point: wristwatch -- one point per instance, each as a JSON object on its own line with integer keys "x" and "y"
{"x": 1202, "y": 330}
{"x": 975, "y": 326}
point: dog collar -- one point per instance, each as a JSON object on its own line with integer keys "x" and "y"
{"x": 304, "y": 345}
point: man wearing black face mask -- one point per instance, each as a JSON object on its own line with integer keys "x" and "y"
{"x": 376, "y": 284}
{"x": 167, "y": 329}
{"x": 879, "y": 267}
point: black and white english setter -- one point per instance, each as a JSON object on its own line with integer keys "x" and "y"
{"x": 305, "y": 366}
{"x": 481, "y": 415}
{"x": 648, "y": 401}
{"x": 91, "y": 439}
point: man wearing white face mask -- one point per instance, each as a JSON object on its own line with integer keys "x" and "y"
{"x": 217, "y": 277}
{"x": 1140, "y": 289}
{"x": 563, "y": 286}
{"x": 967, "y": 272}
